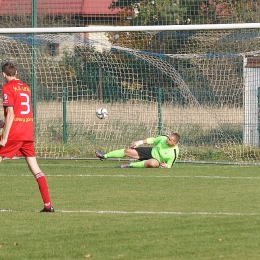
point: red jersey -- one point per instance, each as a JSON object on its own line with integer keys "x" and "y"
{"x": 17, "y": 94}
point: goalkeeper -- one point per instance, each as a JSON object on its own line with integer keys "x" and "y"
{"x": 164, "y": 154}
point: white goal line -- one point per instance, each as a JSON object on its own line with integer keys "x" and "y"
{"x": 139, "y": 176}
{"x": 130, "y": 28}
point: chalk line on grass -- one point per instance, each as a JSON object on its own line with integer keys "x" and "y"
{"x": 139, "y": 176}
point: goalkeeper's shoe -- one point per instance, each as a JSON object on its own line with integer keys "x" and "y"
{"x": 100, "y": 155}
{"x": 51, "y": 209}
{"x": 125, "y": 165}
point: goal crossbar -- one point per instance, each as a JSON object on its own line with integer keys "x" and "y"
{"x": 130, "y": 28}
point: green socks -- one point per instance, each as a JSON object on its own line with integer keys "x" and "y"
{"x": 137, "y": 164}
{"x": 115, "y": 154}
{"x": 120, "y": 154}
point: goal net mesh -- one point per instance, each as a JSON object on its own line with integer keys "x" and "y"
{"x": 201, "y": 84}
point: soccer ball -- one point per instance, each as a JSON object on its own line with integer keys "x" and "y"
{"x": 101, "y": 113}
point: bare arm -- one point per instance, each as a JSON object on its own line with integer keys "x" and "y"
{"x": 8, "y": 123}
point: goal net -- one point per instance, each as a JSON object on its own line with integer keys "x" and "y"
{"x": 202, "y": 84}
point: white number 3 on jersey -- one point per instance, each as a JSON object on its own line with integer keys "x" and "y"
{"x": 26, "y": 104}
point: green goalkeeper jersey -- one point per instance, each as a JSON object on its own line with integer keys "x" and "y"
{"x": 162, "y": 152}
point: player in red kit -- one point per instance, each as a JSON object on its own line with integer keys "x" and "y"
{"x": 17, "y": 136}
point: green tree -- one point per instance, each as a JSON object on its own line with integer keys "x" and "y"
{"x": 160, "y": 12}
{"x": 165, "y": 12}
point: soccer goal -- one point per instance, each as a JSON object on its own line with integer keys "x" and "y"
{"x": 200, "y": 81}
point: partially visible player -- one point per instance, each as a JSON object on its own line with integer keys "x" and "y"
{"x": 2, "y": 123}
{"x": 18, "y": 128}
{"x": 164, "y": 154}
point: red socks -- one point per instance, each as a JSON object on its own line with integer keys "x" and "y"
{"x": 43, "y": 187}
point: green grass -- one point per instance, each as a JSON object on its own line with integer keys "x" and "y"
{"x": 191, "y": 211}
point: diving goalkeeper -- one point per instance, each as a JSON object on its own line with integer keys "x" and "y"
{"x": 164, "y": 154}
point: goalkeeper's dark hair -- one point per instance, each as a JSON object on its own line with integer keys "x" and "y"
{"x": 9, "y": 69}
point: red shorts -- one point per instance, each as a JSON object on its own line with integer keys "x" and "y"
{"x": 18, "y": 148}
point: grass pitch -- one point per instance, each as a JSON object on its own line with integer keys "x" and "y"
{"x": 191, "y": 211}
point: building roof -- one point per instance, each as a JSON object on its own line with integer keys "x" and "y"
{"x": 57, "y": 7}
